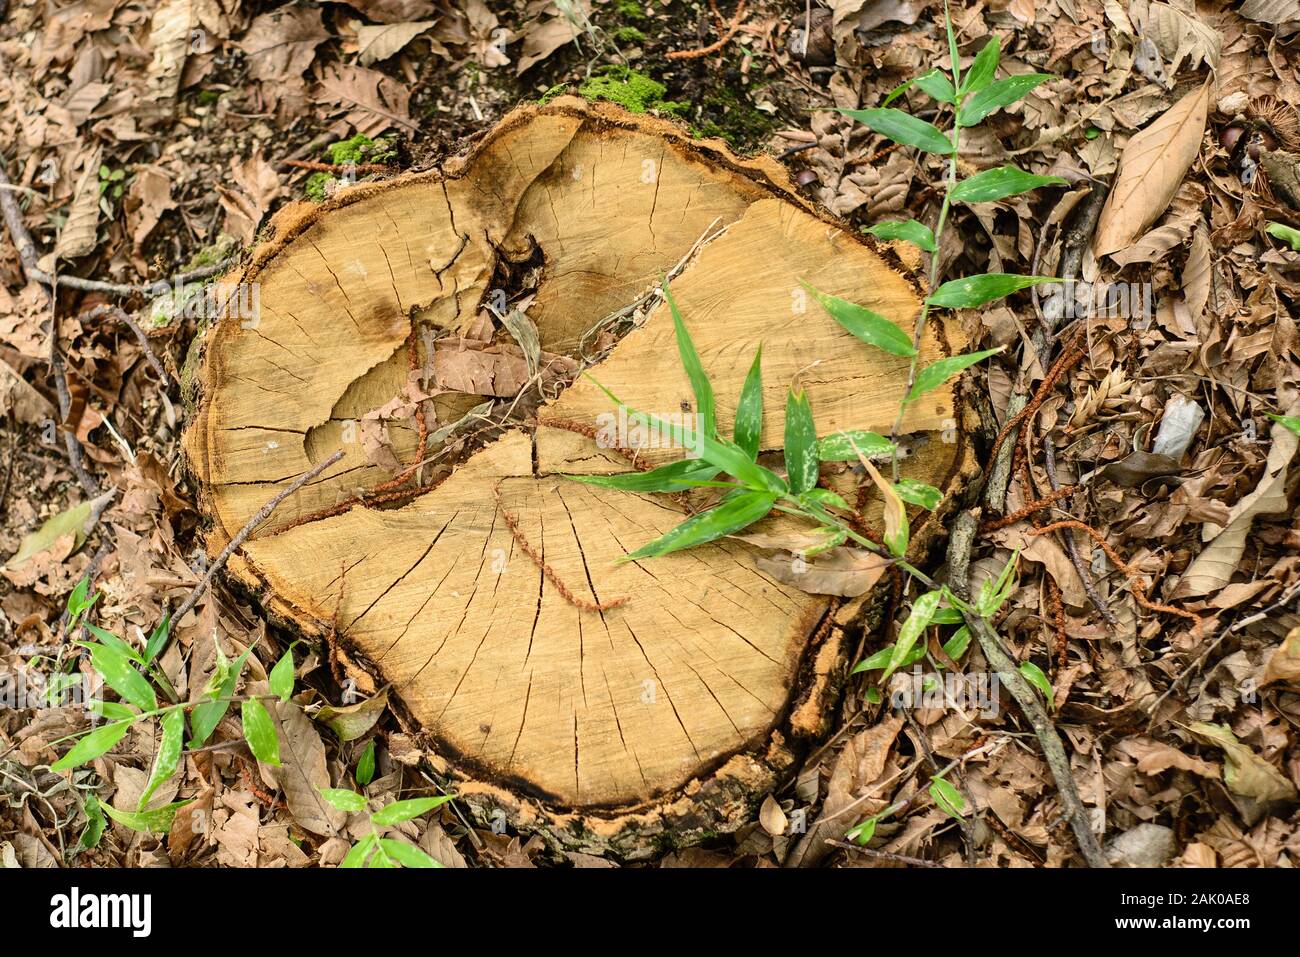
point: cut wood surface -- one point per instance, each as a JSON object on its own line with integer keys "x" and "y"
{"x": 672, "y": 714}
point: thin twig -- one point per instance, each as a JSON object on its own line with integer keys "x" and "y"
{"x": 262, "y": 514}
{"x": 122, "y": 316}
{"x": 959, "y": 549}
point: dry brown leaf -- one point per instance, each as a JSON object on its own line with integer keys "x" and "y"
{"x": 377, "y": 43}
{"x": 440, "y": 847}
{"x": 169, "y": 37}
{"x": 544, "y": 39}
{"x": 1245, "y": 773}
{"x": 1152, "y": 166}
{"x": 1284, "y": 664}
{"x": 1044, "y": 550}
{"x": 78, "y": 236}
{"x": 771, "y": 817}
{"x": 375, "y": 101}
{"x": 20, "y": 399}
{"x": 281, "y": 43}
{"x": 847, "y": 572}
{"x": 302, "y": 772}
{"x": 1218, "y": 561}
{"x": 149, "y": 197}
{"x": 1181, "y": 35}
{"x": 389, "y": 11}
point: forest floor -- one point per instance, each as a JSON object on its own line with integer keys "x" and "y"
{"x": 142, "y": 143}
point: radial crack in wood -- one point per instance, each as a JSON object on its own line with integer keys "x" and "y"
{"x": 661, "y": 720}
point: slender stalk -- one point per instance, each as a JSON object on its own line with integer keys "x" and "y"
{"x": 949, "y": 183}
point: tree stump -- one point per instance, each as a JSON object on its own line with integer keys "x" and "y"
{"x": 654, "y": 723}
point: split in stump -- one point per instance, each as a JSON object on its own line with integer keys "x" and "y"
{"x": 664, "y": 717}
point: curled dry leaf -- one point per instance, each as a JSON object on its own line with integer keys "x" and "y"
{"x": 1284, "y": 664}
{"x": 772, "y": 817}
{"x": 1214, "y": 566}
{"x": 1151, "y": 167}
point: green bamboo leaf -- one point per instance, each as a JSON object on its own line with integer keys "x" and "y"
{"x": 956, "y": 646}
{"x": 206, "y": 716}
{"x": 1285, "y": 233}
{"x": 999, "y": 183}
{"x": 983, "y": 67}
{"x": 168, "y": 757}
{"x": 259, "y": 732}
{"x": 157, "y": 639}
{"x": 864, "y": 832}
{"x": 748, "y": 429}
{"x": 938, "y": 85}
{"x": 998, "y": 94}
{"x": 838, "y": 447}
{"x": 113, "y": 641}
{"x": 408, "y": 855}
{"x": 953, "y": 56}
{"x": 362, "y": 849}
{"x": 871, "y": 327}
{"x": 92, "y": 745}
{"x": 700, "y": 384}
{"x": 1286, "y": 421}
{"x": 343, "y": 799}
{"x": 95, "y": 823}
{"x": 366, "y": 764}
{"x": 400, "y": 811}
{"x": 946, "y": 797}
{"x": 800, "y": 443}
{"x": 732, "y": 515}
{"x": 1034, "y": 675}
{"x": 918, "y": 234}
{"x": 898, "y": 91}
{"x": 976, "y": 290}
{"x": 903, "y": 128}
{"x": 118, "y": 673}
{"x": 884, "y": 656}
{"x": 721, "y": 453}
{"x": 673, "y": 477}
{"x": 918, "y": 493}
{"x": 939, "y": 372}
{"x": 281, "y": 676}
{"x": 915, "y": 625}
{"x": 157, "y": 821}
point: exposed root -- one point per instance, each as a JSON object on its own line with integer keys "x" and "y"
{"x": 726, "y": 28}
{"x": 1134, "y": 579}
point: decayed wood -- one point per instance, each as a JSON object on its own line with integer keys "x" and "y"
{"x": 670, "y": 715}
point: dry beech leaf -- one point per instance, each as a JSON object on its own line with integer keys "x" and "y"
{"x": 1245, "y": 773}
{"x": 1044, "y": 550}
{"x": 78, "y": 237}
{"x": 1214, "y": 566}
{"x": 1151, "y": 167}
{"x": 1284, "y": 664}
{"x": 302, "y": 771}
{"x": 544, "y": 39}
{"x": 847, "y": 572}
{"x": 437, "y": 844}
{"x": 377, "y": 43}
{"x": 772, "y": 817}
